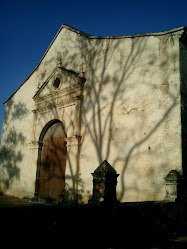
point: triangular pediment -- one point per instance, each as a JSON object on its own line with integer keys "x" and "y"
{"x": 62, "y": 88}
{"x": 59, "y": 80}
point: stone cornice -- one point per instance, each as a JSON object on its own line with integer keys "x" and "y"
{"x": 63, "y": 98}
{"x": 59, "y": 94}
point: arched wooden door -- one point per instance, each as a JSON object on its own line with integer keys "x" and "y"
{"x": 51, "y": 181}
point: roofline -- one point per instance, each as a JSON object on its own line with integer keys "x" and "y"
{"x": 123, "y": 36}
{"x": 94, "y": 37}
{"x": 37, "y": 65}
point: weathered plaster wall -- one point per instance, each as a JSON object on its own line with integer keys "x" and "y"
{"x": 130, "y": 115}
{"x": 16, "y": 174}
{"x": 18, "y": 153}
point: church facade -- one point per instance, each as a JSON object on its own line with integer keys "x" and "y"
{"x": 90, "y": 99}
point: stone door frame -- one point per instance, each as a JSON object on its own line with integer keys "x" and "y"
{"x": 66, "y": 108}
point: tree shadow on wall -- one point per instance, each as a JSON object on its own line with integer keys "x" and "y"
{"x": 70, "y": 193}
{"x": 108, "y": 95}
{"x": 11, "y": 142}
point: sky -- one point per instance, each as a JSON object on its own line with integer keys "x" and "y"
{"x": 27, "y": 28}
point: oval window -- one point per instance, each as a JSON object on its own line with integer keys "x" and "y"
{"x": 56, "y": 83}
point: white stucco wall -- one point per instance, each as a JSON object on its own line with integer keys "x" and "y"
{"x": 130, "y": 114}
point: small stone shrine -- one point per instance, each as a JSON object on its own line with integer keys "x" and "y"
{"x": 171, "y": 185}
{"x": 104, "y": 184}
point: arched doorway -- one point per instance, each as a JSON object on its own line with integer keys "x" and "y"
{"x": 52, "y": 163}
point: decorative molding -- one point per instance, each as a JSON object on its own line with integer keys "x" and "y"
{"x": 35, "y": 145}
{"x": 60, "y": 71}
{"x": 73, "y": 141}
{"x": 62, "y": 97}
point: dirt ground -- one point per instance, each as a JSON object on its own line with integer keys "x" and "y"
{"x": 11, "y": 201}
{"x": 27, "y": 224}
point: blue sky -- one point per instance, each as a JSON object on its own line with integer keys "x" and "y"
{"x": 28, "y": 27}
